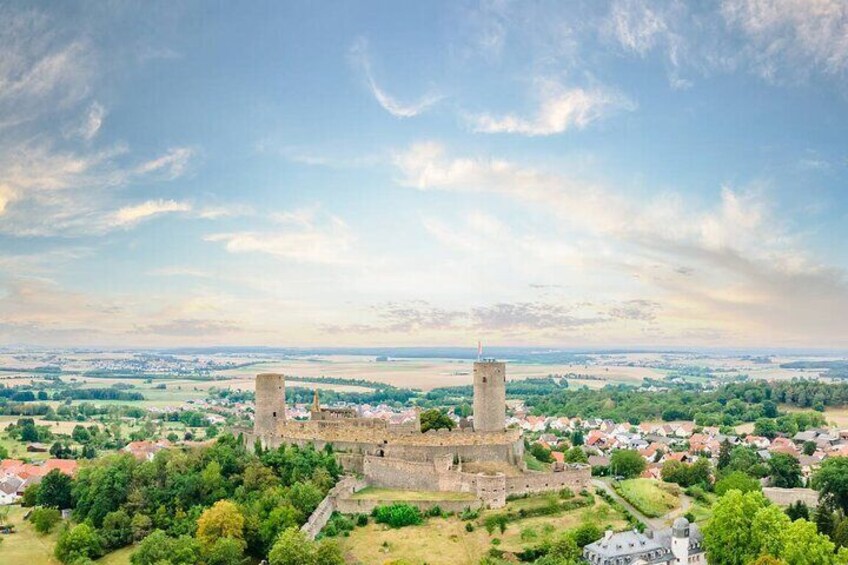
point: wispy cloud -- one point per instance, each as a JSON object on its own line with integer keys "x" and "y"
{"x": 359, "y": 55}
{"x": 173, "y": 164}
{"x": 560, "y": 109}
{"x": 301, "y": 235}
{"x": 129, "y": 216}
{"x": 799, "y": 34}
{"x": 92, "y": 121}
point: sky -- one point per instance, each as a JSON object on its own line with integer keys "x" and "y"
{"x": 360, "y": 173}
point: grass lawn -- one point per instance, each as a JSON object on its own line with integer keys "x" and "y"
{"x": 372, "y": 493}
{"x": 444, "y": 541}
{"x": 26, "y": 546}
{"x": 651, "y": 497}
{"x": 534, "y": 464}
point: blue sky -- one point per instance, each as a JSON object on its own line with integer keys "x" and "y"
{"x": 623, "y": 173}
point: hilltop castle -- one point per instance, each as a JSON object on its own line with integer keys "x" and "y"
{"x": 487, "y": 461}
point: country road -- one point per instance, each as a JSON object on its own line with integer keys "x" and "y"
{"x": 654, "y": 523}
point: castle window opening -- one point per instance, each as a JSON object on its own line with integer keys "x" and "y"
{"x": 275, "y": 414}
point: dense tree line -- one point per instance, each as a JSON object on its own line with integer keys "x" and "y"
{"x": 217, "y": 504}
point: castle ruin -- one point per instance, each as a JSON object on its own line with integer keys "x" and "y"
{"x": 486, "y": 461}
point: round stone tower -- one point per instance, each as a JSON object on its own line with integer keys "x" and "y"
{"x": 680, "y": 540}
{"x": 489, "y": 396}
{"x": 270, "y": 405}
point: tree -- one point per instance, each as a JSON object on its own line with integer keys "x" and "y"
{"x": 158, "y": 548}
{"x": 736, "y": 480}
{"x": 767, "y": 530}
{"x": 565, "y": 548}
{"x": 4, "y": 452}
{"x": 674, "y": 471}
{"x": 824, "y": 519}
{"x": 766, "y": 427}
{"x": 117, "y": 530}
{"x": 435, "y": 419}
{"x": 576, "y": 455}
{"x": 784, "y": 470}
{"x": 724, "y": 454}
{"x": 803, "y": 545}
{"x": 78, "y": 543}
{"x": 831, "y": 481}
{"x": 225, "y": 551}
{"x": 44, "y": 519}
{"x": 329, "y": 553}
{"x": 627, "y": 463}
{"x": 141, "y": 525}
{"x": 577, "y": 437}
{"x": 292, "y": 548}
{"x": 728, "y": 538}
{"x": 809, "y": 447}
{"x": 222, "y": 520}
{"x": 768, "y": 560}
{"x": 585, "y": 534}
{"x": 541, "y": 453}
{"x": 798, "y": 510}
{"x": 80, "y": 434}
{"x": 840, "y": 534}
{"x": 55, "y": 490}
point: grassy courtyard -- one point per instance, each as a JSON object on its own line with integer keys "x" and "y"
{"x": 445, "y": 541}
{"x": 651, "y": 497}
{"x": 372, "y": 493}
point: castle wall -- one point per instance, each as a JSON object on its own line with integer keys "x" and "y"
{"x": 489, "y": 396}
{"x": 787, "y": 496}
{"x": 574, "y": 477}
{"x": 400, "y": 474}
{"x": 321, "y": 515}
{"x": 351, "y": 462}
{"x": 360, "y": 506}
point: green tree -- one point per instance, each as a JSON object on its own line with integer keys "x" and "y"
{"x": 225, "y": 551}
{"x": 158, "y": 549}
{"x": 117, "y": 530}
{"x": 728, "y": 538}
{"x": 784, "y": 470}
{"x": 831, "y": 481}
{"x": 824, "y": 519}
{"x": 78, "y": 543}
{"x": 798, "y": 510}
{"x": 736, "y": 480}
{"x": 627, "y": 463}
{"x": 55, "y": 490}
{"x": 585, "y": 534}
{"x": 840, "y": 534}
{"x": 435, "y": 419}
{"x": 766, "y": 427}
{"x": 80, "y": 434}
{"x": 767, "y": 529}
{"x": 142, "y": 526}
{"x": 329, "y": 553}
{"x": 222, "y": 520}
{"x": 576, "y": 455}
{"x": 4, "y": 453}
{"x": 292, "y": 548}
{"x": 44, "y": 519}
{"x": 803, "y": 545}
{"x": 724, "y": 454}
{"x": 809, "y": 447}
{"x": 564, "y": 548}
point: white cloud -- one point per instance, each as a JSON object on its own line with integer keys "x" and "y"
{"x": 301, "y": 236}
{"x": 92, "y": 122}
{"x": 398, "y": 109}
{"x": 560, "y": 109}
{"x": 129, "y": 216}
{"x": 801, "y": 34}
{"x": 173, "y": 164}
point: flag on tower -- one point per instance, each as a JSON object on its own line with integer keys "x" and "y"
{"x": 479, "y": 349}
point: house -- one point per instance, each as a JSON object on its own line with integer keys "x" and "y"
{"x": 146, "y": 450}
{"x": 10, "y": 489}
{"x": 681, "y": 544}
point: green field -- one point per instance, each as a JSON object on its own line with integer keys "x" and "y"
{"x": 27, "y": 547}
{"x": 372, "y": 493}
{"x": 651, "y": 497}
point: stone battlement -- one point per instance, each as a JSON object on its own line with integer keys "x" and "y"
{"x": 367, "y": 432}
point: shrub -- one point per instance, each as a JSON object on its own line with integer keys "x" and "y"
{"x": 469, "y": 514}
{"x": 398, "y": 515}
{"x": 434, "y": 512}
{"x": 44, "y": 519}
{"x": 361, "y": 520}
{"x": 469, "y": 527}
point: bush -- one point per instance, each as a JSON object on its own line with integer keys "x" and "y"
{"x": 697, "y": 493}
{"x": 398, "y": 515}
{"x": 44, "y": 519}
{"x": 361, "y": 520}
{"x": 434, "y": 512}
{"x": 469, "y": 527}
{"x": 469, "y": 514}
{"x": 79, "y": 542}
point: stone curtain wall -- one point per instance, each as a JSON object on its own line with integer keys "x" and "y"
{"x": 359, "y": 506}
{"x": 574, "y": 477}
{"x": 786, "y": 496}
{"x": 319, "y": 518}
{"x": 400, "y": 474}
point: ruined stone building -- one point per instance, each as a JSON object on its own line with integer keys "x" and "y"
{"x": 486, "y": 460}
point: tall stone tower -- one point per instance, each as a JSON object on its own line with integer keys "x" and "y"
{"x": 270, "y": 405}
{"x": 680, "y": 540}
{"x": 489, "y": 396}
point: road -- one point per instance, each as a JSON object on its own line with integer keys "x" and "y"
{"x": 654, "y": 523}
